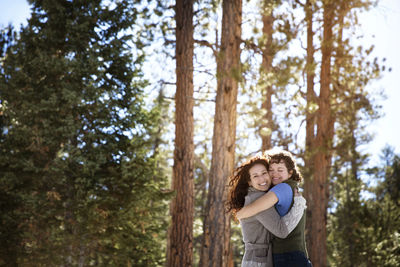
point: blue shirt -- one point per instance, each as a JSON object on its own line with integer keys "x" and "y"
{"x": 285, "y": 196}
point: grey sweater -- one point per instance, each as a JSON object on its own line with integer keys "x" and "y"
{"x": 256, "y": 230}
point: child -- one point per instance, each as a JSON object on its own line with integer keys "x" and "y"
{"x": 290, "y": 251}
{"x": 249, "y": 182}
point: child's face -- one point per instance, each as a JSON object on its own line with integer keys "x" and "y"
{"x": 259, "y": 177}
{"x": 279, "y": 172}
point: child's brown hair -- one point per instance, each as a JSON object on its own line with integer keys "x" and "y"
{"x": 287, "y": 158}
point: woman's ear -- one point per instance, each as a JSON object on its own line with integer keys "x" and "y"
{"x": 291, "y": 173}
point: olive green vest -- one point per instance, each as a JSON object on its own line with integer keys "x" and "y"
{"x": 295, "y": 241}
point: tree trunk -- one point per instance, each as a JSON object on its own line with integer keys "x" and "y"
{"x": 310, "y": 121}
{"x": 324, "y": 139}
{"x": 180, "y": 244}
{"x": 216, "y": 248}
{"x": 351, "y": 153}
{"x": 267, "y": 56}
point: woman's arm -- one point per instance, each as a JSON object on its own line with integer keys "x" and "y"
{"x": 264, "y": 202}
{"x": 296, "y": 212}
{"x": 282, "y": 226}
{"x": 281, "y": 194}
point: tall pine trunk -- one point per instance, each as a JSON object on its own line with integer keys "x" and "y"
{"x": 310, "y": 120}
{"x": 340, "y": 61}
{"x": 216, "y": 245}
{"x": 323, "y": 142}
{"x": 267, "y": 56}
{"x": 180, "y": 245}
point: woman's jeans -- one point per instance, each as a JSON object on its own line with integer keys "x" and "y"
{"x": 291, "y": 259}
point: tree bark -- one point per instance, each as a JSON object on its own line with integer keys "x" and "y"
{"x": 310, "y": 120}
{"x": 216, "y": 245}
{"x": 324, "y": 139}
{"x": 180, "y": 244}
{"x": 267, "y": 91}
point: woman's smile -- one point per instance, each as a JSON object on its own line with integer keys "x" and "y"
{"x": 259, "y": 177}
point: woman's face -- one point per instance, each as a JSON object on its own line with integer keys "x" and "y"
{"x": 279, "y": 172}
{"x": 259, "y": 177}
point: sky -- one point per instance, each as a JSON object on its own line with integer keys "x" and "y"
{"x": 380, "y": 26}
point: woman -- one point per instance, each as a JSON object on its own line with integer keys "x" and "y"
{"x": 249, "y": 182}
{"x": 290, "y": 251}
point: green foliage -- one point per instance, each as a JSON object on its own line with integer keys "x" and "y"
{"x": 83, "y": 163}
{"x": 384, "y": 211}
{"x": 237, "y": 243}
{"x": 79, "y": 182}
{"x": 345, "y": 241}
{"x": 364, "y": 231}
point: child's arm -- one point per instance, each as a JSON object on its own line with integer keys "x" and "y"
{"x": 281, "y": 194}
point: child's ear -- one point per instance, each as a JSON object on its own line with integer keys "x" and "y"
{"x": 291, "y": 173}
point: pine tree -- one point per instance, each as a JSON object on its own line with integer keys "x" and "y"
{"x": 77, "y": 176}
{"x": 384, "y": 213}
{"x": 180, "y": 243}
{"x": 268, "y": 54}
{"x": 216, "y": 249}
{"x": 364, "y": 231}
{"x": 344, "y": 107}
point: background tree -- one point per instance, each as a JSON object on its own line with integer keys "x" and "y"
{"x": 311, "y": 103}
{"x": 373, "y": 218}
{"x": 384, "y": 213}
{"x": 268, "y": 54}
{"x": 323, "y": 140}
{"x": 180, "y": 251}
{"x": 269, "y": 69}
{"x": 342, "y": 108}
{"x": 75, "y": 162}
{"x": 216, "y": 246}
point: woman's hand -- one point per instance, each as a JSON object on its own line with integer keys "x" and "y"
{"x": 239, "y": 214}
{"x": 297, "y": 193}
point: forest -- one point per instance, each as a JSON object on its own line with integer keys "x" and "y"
{"x": 121, "y": 121}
